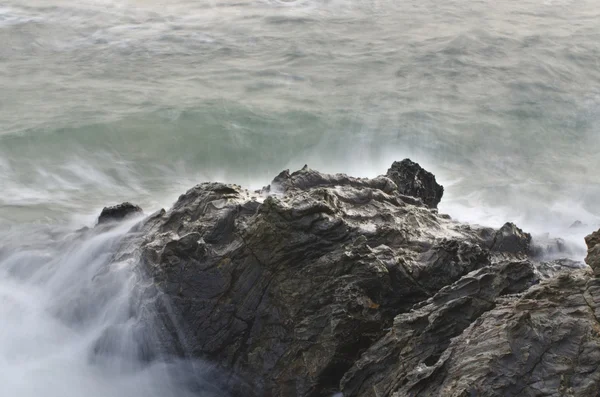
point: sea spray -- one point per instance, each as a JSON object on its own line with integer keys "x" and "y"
{"x": 73, "y": 323}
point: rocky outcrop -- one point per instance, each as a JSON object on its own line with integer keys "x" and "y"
{"x": 289, "y": 291}
{"x": 511, "y": 239}
{"x": 119, "y": 213}
{"x": 320, "y": 283}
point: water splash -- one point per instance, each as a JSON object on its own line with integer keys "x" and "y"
{"x": 73, "y": 324}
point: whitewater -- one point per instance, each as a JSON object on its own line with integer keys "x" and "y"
{"x": 103, "y": 101}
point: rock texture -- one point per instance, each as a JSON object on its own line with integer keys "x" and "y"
{"x": 325, "y": 283}
{"x": 420, "y": 337}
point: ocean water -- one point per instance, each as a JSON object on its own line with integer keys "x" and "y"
{"x": 103, "y": 101}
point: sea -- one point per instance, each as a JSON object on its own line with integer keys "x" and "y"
{"x": 105, "y": 101}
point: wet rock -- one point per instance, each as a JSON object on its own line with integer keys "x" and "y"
{"x": 289, "y": 292}
{"x": 418, "y": 338}
{"x": 324, "y": 277}
{"x": 593, "y": 256}
{"x": 545, "y": 343}
{"x": 414, "y": 181}
{"x": 493, "y": 334}
{"x": 119, "y": 212}
{"x": 510, "y": 239}
{"x": 307, "y": 178}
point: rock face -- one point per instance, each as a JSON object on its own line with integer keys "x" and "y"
{"x": 325, "y": 283}
{"x": 119, "y": 212}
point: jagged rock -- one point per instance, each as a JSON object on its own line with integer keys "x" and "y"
{"x": 418, "y": 338}
{"x": 481, "y": 340}
{"x": 412, "y": 180}
{"x": 512, "y": 240}
{"x": 295, "y": 288}
{"x": 119, "y": 212}
{"x": 545, "y": 343}
{"x": 307, "y": 178}
{"x": 593, "y": 257}
{"x": 290, "y": 291}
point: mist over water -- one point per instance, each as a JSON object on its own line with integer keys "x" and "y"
{"x": 103, "y": 101}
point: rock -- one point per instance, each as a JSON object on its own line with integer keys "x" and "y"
{"x": 323, "y": 278}
{"x": 510, "y": 239}
{"x": 288, "y": 292}
{"x": 593, "y": 256}
{"x": 419, "y": 338}
{"x": 119, "y": 213}
{"x": 549, "y": 269}
{"x": 412, "y": 180}
{"x": 545, "y": 343}
{"x": 482, "y": 340}
{"x": 307, "y": 178}
{"x": 577, "y": 225}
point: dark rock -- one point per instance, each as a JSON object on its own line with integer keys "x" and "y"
{"x": 419, "y": 338}
{"x": 290, "y": 293}
{"x": 330, "y": 277}
{"x": 483, "y": 337}
{"x": 412, "y": 180}
{"x": 307, "y": 178}
{"x": 545, "y": 343}
{"x": 510, "y": 239}
{"x": 119, "y": 212}
{"x": 593, "y": 257}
